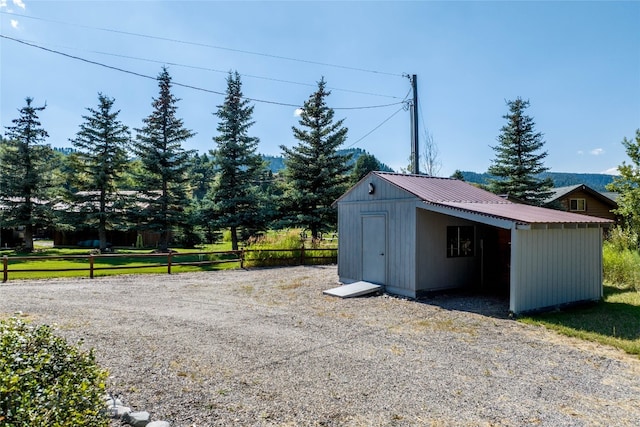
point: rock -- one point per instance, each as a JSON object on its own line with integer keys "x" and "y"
{"x": 113, "y": 402}
{"x": 118, "y": 411}
{"x": 136, "y": 419}
{"x": 159, "y": 424}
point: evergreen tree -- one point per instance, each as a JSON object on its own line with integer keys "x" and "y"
{"x": 236, "y": 201}
{"x": 458, "y": 175}
{"x": 627, "y": 184}
{"x": 201, "y": 173}
{"x": 519, "y": 159}
{"x": 164, "y": 181}
{"x": 364, "y": 164}
{"x": 26, "y": 174}
{"x": 101, "y": 158}
{"x": 316, "y": 175}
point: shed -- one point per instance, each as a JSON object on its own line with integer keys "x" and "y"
{"x": 416, "y": 234}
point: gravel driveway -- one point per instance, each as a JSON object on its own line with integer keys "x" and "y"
{"x": 264, "y": 347}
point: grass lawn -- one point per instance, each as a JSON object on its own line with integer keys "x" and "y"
{"x": 130, "y": 265}
{"x": 614, "y": 321}
{"x": 66, "y": 262}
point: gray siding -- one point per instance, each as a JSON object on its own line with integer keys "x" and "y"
{"x": 434, "y": 270}
{"x": 555, "y": 266}
{"x": 399, "y": 208}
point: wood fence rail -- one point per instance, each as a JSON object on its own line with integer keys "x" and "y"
{"x": 269, "y": 257}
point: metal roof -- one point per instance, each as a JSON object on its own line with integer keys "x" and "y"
{"x": 461, "y": 195}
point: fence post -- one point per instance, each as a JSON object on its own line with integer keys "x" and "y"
{"x": 5, "y": 271}
{"x": 91, "y": 266}
{"x": 302, "y": 254}
{"x": 242, "y": 257}
{"x": 169, "y": 262}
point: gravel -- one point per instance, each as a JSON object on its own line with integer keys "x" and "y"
{"x": 265, "y": 347}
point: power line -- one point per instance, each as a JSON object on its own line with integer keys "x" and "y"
{"x": 128, "y": 33}
{"x": 182, "y": 84}
{"x": 376, "y": 128}
{"x": 195, "y": 67}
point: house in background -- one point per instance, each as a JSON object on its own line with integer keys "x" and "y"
{"x": 583, "y": 200}
{"x": 415, "y": 234}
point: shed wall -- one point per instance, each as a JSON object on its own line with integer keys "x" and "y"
{"x": 555, "y": 266}
{"x": 399, "y": 208}
{"x": 435, "y": 270}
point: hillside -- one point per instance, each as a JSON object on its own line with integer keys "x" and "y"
{"x": 595, "y": 181}
{"x": 276, "y": 163}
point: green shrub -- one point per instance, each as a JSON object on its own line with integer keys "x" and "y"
{"x": 621, "y": 266}
{"x": 623, "y": 238}
{"x": 46, "y": 382}
{"x": 284, "y": 248}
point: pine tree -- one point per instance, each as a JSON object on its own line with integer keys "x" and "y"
{"x": 164, "y": 182}
{"x": 26, "y": 174}
{"x": 457, "y": 174}
{"x": 316, "y": 175}
{"x": 101, "y": 158}
{"x": 518, "y": 159}
{"x": 364, "y": 164}
{"x": 627, "y": 184}
{"x": 235, "y": 200}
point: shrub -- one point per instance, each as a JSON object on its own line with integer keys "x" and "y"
{"x": 46, "y": 382}
{"x": 623, "y": 238}
{"x": 621, "y": 266}
{"x": 284, "y": 248}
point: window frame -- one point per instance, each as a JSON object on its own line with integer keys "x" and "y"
{"x": 461, "y": 241}
{"x": 578, "y": 202}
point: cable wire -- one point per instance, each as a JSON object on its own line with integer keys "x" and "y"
{"x": 376, "y": 128}
{"x": 128, "y": 33}
{"x": 183, "y": 84}
{"x": 195, "y": 67}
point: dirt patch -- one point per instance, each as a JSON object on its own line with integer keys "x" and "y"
{"x": 265, "y": 347}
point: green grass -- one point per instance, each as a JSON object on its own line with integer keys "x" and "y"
{"x": 140, "y": 264}
{"x": 614, "y": 321}
{"x": 130, "y": 265}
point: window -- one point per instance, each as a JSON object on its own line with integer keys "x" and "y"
{"x": 460, "y": 241}
{"x": 577, "y": 205}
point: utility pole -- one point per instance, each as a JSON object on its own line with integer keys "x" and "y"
{"x": 415, "y": 151}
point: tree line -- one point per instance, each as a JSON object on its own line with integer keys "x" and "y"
{"x": 117, "y": 178}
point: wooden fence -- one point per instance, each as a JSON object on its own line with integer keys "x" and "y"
{"x": 244, "y": 257}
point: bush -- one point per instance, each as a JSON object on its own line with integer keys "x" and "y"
{"x": 46, "y": 382}
{"x": 623, "y": 238}
{"x": 284, "y": 248}
{"x": 621, "y": 266}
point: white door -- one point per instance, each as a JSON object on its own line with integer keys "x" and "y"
{"x": 374, "y": 249}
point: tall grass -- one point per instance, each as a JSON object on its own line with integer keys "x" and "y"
{"x": 285, "y": 248}
{"x": 621, "y": 259}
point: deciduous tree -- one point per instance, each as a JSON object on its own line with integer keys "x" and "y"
{"x": 627, "y": 184}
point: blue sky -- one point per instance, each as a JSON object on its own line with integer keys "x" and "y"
{"x": 578, "y": 63}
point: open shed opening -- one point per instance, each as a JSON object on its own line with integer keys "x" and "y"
{"x": 455, "y": 253}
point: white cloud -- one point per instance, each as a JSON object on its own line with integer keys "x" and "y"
{"x": 298, "y": 112}
{"x": 14, "y": 23}
{"x": 580, "y": 152}
{"x": 612, "y": 171}
{"x": 19, "y": 3}
{"x": 596, "y": 151}
{"x": 3, "y": 4}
